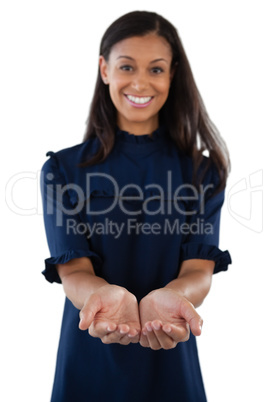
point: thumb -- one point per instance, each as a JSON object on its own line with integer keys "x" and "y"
{"x": 194, "y": 320}
{"x": 87, "y": 314}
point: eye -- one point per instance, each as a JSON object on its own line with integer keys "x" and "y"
{"x": 126, "y": 68}
{"x": 157, "y": 70}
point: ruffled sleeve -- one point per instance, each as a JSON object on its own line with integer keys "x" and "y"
{"x": 206, "y": 252}
{"x": 59, "y": 215}
{"x": 202, "y": 238}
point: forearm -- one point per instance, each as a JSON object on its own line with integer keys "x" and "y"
{"x": 194, "y": 280}
{"x": 79, "y": 283}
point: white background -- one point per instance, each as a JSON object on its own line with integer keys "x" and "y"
{"x": 49, "y": 56}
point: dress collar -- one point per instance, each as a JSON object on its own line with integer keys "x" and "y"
{"x": 125, "y": 136}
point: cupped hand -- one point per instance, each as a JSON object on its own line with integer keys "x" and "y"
{"x": 111, "y": 314}
{"x": 166, "y": 319}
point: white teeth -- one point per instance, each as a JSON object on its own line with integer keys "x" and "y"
{"x": 139, "y": 100}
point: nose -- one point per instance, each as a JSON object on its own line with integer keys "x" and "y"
{"x": 140, "y": 82}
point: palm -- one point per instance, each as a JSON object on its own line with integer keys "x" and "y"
{"x": 119, "y": 308}
{"x": 112, "y": 315}
{"x": 163, "y": 305}
{"x": 166, "y": 318}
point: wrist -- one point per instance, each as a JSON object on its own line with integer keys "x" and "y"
{"x": 80, "y": 285}
{"x": 193, "y": 286}
{"x": 176, "y": 286}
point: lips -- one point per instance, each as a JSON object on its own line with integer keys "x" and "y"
{"x": 139, "y": 101}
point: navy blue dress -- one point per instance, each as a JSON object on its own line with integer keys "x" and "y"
{"x": 137, "y": 218}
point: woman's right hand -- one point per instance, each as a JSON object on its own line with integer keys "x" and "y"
{"x": 111, "y": 314}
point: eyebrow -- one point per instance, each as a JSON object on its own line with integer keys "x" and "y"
{"x": 130, "y": 58}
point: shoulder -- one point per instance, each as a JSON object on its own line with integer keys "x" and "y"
{"x": 207, "y": 173}
{"x": 69, "y": 158}
{"x": 209, "y": 170}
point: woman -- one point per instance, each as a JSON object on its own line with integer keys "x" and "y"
{"x": 132, "y": 221}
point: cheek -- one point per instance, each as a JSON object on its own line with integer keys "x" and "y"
{"x": 163, "y": 86}
{"x": 116, "y": 87}
{"x": 118, "y": 82}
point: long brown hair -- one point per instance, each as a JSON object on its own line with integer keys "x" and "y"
{"x": 184, "y": 113}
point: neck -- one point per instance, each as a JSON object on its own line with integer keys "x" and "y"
{"x": 138, "y": 128}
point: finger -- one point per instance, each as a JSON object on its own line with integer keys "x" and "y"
{"x": 123, "y": 329}
{"x": 144, "y": 341}
{"x": 134, "y": 339}
{"x": 152, "y": 339}
{"x": 134, "y": 333}
{"x": 101, "y": 328}
{"x": 114, "y": 337}
{"x": 117, "y": 337}
{"x": 133, "y": 336}
{"x": 178, "y": 333}
{"x": 128, "y": 334}
{"x": 88, "y": 312}
{"x": 190, "y": 314}
{"x": 166, "y": 342}
{"x": 127, "y": 339}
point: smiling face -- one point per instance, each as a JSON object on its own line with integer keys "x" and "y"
{"x": 138, "y": 73}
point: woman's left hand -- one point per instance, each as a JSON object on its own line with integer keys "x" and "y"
{"x": 166, "y": 319}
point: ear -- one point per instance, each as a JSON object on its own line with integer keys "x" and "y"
{"x": 103, "y": 69}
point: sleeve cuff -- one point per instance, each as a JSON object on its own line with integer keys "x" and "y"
{"x": 50, "y": 271}
{"x": 206, "y": 252}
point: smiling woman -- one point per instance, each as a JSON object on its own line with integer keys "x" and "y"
{"x": 139, "y": 74}
{"x": 136, "y": 253}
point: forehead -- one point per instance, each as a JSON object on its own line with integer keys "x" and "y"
{"x": 142, "y": 47}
